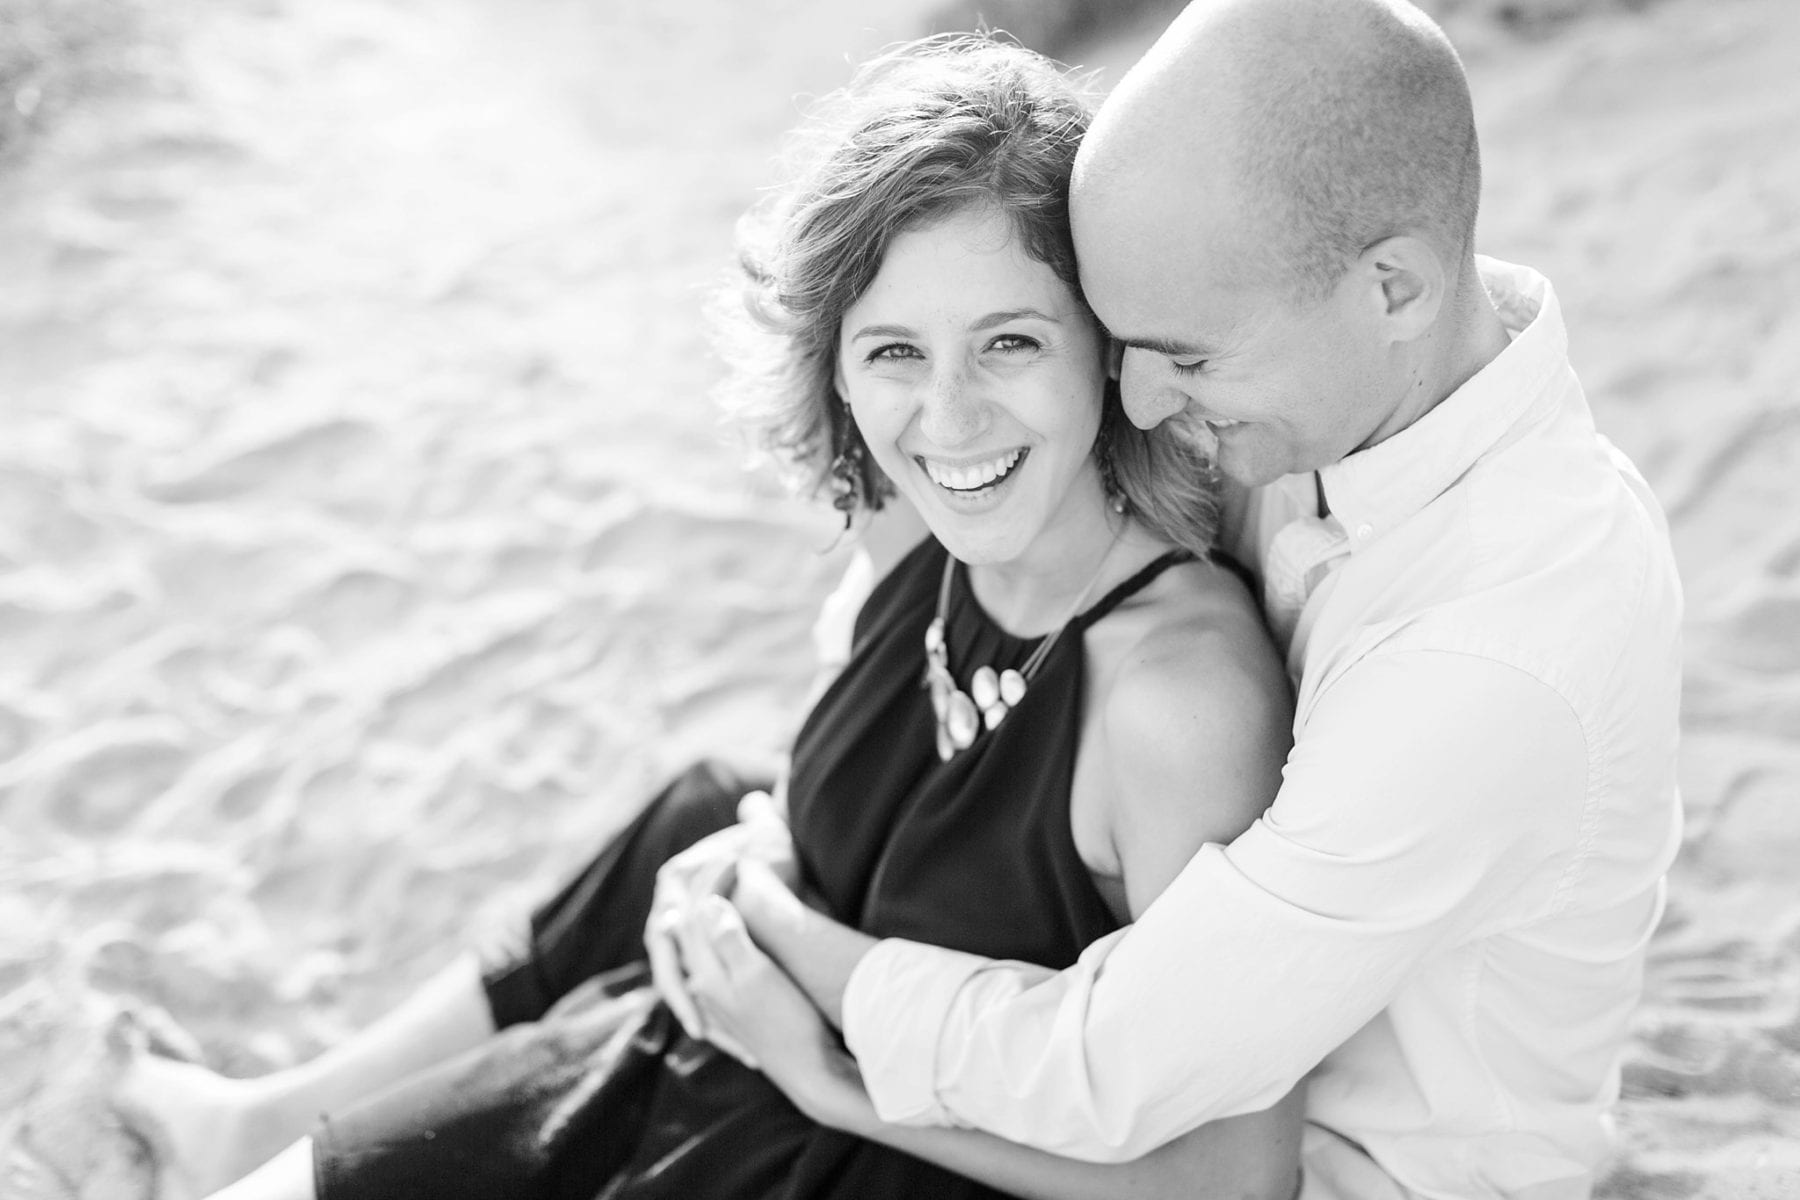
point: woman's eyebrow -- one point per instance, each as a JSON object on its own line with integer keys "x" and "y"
{"x": 987, "y": 321}
{"x": 893, "y": 331}
{"x": 1013, "y": 314}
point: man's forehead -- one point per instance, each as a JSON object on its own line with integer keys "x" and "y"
{"x": 1176, "y": 329}
{"x": 1164, "y": 208}
{"x": 1149, "y": 276}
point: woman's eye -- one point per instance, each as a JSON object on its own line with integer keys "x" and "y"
{"x": 891, "y": 352}
{"x": 1010, "y": 342}
{"x": 1188, "y": 367}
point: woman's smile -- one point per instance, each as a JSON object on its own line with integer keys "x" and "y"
{"x": 973, "y": 478}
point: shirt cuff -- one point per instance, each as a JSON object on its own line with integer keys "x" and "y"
{"x": 896, "y": 1004}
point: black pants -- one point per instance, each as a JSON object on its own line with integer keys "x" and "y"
{"x": 523, "y": 1115}
{"x": 596, "y": 923}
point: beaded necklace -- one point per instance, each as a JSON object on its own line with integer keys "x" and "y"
{"x": 992, "y": 694}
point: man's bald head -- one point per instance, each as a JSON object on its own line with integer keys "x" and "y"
{"x": 1311, "y": 129}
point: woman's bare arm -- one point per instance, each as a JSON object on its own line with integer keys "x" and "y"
{"x": 1186, "y": 736}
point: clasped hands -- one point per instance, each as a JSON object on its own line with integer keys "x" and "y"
{"x": 721, "y": 985}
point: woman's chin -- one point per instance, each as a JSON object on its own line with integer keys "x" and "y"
{"x": 992, "y": 527}
{"x": 976, "y": 526}
{"x": 978, "y": 543}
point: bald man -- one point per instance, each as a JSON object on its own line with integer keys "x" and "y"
{"x": 1442, "y": 918}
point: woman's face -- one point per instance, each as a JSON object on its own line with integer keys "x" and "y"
{"x": 976, "y": 378}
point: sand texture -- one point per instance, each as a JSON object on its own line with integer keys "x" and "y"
{"x": 368, "y": 543}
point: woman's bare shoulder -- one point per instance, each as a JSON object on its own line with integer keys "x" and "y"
{"x": 1197, "y": 631}
{"x": 1197, "y": 710}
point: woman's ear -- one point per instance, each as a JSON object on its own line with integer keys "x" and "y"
{"x": 837, "y": 380}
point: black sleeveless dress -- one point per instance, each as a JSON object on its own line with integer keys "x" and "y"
{"x": 607, "y": 1099}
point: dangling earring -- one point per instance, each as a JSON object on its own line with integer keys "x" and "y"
{"x": 847, "y": 468}
{"x": 1109, "y": 471}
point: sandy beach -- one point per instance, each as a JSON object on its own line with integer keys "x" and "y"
{"x": 369, "y": 543}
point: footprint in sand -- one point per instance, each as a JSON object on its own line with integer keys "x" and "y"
{"x": 63, "y": 1141}
{"x": 96, "y": 780}
{"x": 315, "y": 459}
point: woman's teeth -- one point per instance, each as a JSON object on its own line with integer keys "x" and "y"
{"x": 974, "y": 476}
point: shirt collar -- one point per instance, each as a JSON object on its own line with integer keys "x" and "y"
{"x": 1373, "y": 490}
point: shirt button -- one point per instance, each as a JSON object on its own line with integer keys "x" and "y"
{"x": 1363, "y": 531}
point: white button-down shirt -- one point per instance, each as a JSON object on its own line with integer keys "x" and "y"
{"x": 1445, "y": 909}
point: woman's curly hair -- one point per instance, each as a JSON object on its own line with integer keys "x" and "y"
{"x": 928, "y": 129}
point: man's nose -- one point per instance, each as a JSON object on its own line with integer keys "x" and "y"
{"x": 954, "y": 412}
{"x": 1148, "y": 398}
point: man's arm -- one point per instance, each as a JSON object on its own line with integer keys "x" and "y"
{"x": 1432, "y": 794}
{"x": 816, "y": 951}
{"x": 773, "y": 1026}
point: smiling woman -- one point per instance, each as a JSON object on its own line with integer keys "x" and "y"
{"x": 916, "y": 312}
{"x": 982, "y": 403}
{"x": 899, "y": 150}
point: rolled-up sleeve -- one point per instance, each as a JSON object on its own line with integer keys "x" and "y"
{"x": 933, "y": 977}
{"x": 1433, "y": 796}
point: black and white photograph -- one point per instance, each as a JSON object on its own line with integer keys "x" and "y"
{"x": 909, "y": 600}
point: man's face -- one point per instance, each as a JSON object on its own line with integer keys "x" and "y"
{"x": 1215, "y": 341}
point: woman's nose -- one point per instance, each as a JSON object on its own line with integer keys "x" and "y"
{"x": 1145, "y": 391}
{"x": 954, "y": 412}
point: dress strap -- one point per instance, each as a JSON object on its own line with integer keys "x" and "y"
{"x": 1131, "y": 586}
{"x": 1221, "y": 558}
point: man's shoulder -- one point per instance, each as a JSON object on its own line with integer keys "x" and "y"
{"x": 1550, "y": 556}
{"x": 1568, "y": 550}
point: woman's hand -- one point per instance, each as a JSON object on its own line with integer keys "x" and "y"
{"x": 754, "y": 1012}
{"x": 710, "y": 867}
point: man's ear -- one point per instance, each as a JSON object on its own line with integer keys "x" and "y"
{"x": 1408, "y": 285}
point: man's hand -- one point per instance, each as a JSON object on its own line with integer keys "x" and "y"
{"x": 709, "y": 868}
{"x": 755, "y": 1013}
{"x": 817, "y": 952}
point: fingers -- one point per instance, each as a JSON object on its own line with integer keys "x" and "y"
{"x": 707, "y": 973}
{"x": 667, "y": 973}
{"x": 693, "y": 868}
{"x": 716, "y": 947}
{"x": 708, "y": 865}
{"x": 768, "y": 839}
{"x": 694, "y": 948}
{"x": 729, "y": 938}
{"x": 764, "y": 899}
{"x": 758, "y": 806}
{"x": 757, "y": 875}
